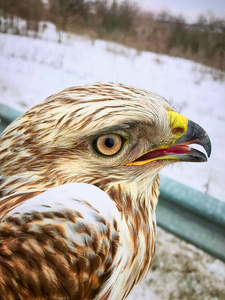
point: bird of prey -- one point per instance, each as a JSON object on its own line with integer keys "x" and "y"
{"x": 79, "y": 186}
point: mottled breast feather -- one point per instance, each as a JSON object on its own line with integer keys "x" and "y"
{"x": 57, "y": 245}
{"x": 75, "y": 224}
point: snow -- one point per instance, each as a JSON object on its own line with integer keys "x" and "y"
{"x": 33, "y": 69}
{"x": 180, "y": 271}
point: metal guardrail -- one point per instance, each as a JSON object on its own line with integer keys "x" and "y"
{"x": 7, "y": 115}
{"x": 183, "y": 211}
{"x": 193, "y": 216}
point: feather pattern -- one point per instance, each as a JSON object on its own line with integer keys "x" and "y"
{"x": 64, "y": 244}
{"x": 58, "y": 245}
{"x": 76, "y": 223}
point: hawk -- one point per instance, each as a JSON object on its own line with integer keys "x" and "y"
{"x": 79, "y": 186}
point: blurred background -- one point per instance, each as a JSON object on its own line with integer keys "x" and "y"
{"x": 175, "y": 48}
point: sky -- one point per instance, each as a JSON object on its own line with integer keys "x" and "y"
{"x": 190, "y": 9}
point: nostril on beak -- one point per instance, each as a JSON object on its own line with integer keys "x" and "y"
{"x": 178, "y": 130}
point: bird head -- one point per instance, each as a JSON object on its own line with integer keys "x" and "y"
{"x": 103, "y": 134}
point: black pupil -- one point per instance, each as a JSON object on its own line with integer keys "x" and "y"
{"x": 109, "y": 142}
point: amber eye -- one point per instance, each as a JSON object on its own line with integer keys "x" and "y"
{"x": 108, "y": 144}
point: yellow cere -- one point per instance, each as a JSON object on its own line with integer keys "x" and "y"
{"x": 178, "y": 124}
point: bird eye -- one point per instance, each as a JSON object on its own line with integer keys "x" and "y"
{"x": 108, "y": 144}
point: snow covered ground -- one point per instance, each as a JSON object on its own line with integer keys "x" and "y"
{"x": 32, "y": 69}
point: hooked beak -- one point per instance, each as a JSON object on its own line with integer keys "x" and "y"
{"x": 185, "y": 133}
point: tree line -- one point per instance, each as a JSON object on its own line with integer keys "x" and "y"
{"x": 121, "y": 22}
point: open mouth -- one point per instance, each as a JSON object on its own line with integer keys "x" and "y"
{"x": 180, "y": 150}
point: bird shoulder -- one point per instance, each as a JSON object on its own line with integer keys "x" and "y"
{"x": 61, "y": 242}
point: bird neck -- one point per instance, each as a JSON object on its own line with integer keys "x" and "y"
{"x": 138, "y": 232}
{"x": 135, "y": 197}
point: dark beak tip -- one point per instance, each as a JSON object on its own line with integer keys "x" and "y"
{"x": 209, "y": 148}
{"x": 197, "y": 135}
{"x": 199, "y": 156}
{"x": 209, "y": 154}
{"x": 204, "y": 160}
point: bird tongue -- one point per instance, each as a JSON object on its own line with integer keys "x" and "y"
{"x": 178, "y": 149}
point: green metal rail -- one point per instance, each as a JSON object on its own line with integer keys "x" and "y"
{"x": 187, "y": 213}
{"x": 193, "y": 216}
{"x": 7, "y": 115}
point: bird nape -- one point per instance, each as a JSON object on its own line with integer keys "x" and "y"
{"x": 79, "y": 186}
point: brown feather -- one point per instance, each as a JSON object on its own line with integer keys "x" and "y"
{"x": 39, "y": 260}
{"x": 51, "y": 145}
